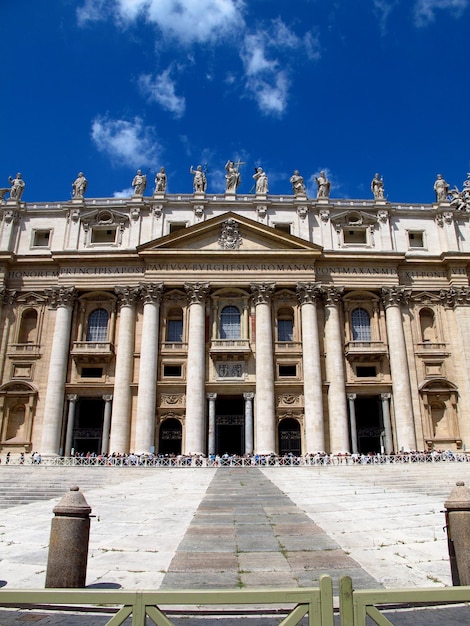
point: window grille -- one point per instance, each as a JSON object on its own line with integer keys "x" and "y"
{"x": 97, "y": 325}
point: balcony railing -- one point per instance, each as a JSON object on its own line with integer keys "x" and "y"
{"x": 174, "y": 346}
{"x": 230, "y": 345}
{"x": 85, "y": 350}
{"x": 24, "y": 349}
{"x": 431, "y": 346}
{"x": 365, "y": 347}
{"x": 288, "y": 346}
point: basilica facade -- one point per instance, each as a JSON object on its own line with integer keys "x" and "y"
{"x": 233, "y": 323}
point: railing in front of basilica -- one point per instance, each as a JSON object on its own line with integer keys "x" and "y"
{"x": 151, "y": 460}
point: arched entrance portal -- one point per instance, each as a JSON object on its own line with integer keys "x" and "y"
{"x": 229, "y": 425}
{"x": 369, "y": 424}
{"x": 290, "y": 439}
{"x": 88, "y": 425}
{"x": 170, "y": 437}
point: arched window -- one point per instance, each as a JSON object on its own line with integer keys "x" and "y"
{"x": 428, "y": 329}
{"x": 360, "y": 323}
{"x": 285, "y": 325}
{"x": 174, "y": 326}
{"x": 230, "y": 323}
{"x": 98, "y": 325}
{"x": 29, "y": 322}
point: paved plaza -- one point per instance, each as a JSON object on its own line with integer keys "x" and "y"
{"x": 228, "y": 528}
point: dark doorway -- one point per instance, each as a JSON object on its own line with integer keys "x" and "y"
{"x": 290, "y": 439}
{"x": 229, "y": 425}
{"x": 369, "y": 424}
{"x": 170, "y": 437}
{"x": 88, "y": 425}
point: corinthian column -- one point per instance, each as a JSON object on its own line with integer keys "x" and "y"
{"x": 404, "y": 423}
{"x": 196, "y": 370}
{"x": 120, "y": 418}
{"x": 265, "y": 435}
{"x": 147, "y": 395}
{"x": 313, "y": 401}
{"x": 61, "y": 299}
{"x": 334, "y": 348}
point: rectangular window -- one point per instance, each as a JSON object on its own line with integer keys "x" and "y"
{"x": 172, "y": 371}
{"x": 284, "y": 227}
{"x": 285, "y": 330}
{"x": 41, "y": 238}
{"x": 366, "y": 371}
{"x": 175, "y": 330}
{"x": 416, "y": 239}
{"x": 92, "y": 372}
{"x": 288, "y": 370}
{"x": 357, "y": 236}
{"x": 103, "y": 235}
{"x": 174, "y": 226}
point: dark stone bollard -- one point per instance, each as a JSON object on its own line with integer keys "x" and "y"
{"x": 458, "y": 533}
{"x": 68, "y": 546}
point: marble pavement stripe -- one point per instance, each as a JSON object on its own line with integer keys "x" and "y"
{"x": 246, "y": 532}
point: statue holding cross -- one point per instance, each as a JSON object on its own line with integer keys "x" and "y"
{"x": 232, "y": 177}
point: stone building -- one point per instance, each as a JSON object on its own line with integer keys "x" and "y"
{"x": 233, "y": 323}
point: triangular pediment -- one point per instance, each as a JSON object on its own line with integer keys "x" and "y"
{"x": 230, "y": 232}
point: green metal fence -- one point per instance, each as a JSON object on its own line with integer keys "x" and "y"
{"x": 355, "y": 606}
{"x": 316, "y": 603}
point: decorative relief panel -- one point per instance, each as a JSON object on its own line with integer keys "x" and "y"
{"x": 233, "y": 370}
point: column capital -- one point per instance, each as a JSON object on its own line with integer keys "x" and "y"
{"x": 196, "y": 292}
{"x": 72, "y": 397}
{"x": 7, "y": 296}
{"x": 211, "y": 396}
{"x": 126, "y": 295}
{"x": 396, "y": 295}
{"x": 332, "y": 295}
{"x": 151, "y": 293}
{"x": 351, "y": 396}
{"x": 107, "y": 397}
{"x": 262, "y": 292}
{"x": 60, "y": 296}
{"x": 455, "y": 297}
{"x": 308, "y": 293}
{"x": 385, "y": 396}
{"x": 248, "y": 395}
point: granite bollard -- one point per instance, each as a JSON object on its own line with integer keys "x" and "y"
{"x": 68, "y": 545}
{"x": 458, "y": 533}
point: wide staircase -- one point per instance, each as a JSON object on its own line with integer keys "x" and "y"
{"x": 24, "y": 484}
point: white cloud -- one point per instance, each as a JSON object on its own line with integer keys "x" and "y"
{"x": 383, "y": 8}
{"x": 189, "y": 21}
{"x": 126, "y": 142}
{"x": 161, "y": 89}
{"x": 125, "y": 193}
{"x": 425, "y": 10}
{"x": 266, "y": 72}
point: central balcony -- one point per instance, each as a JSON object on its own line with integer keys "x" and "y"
{"x": 368, "y": 349}
{"x": 92, "y": 351}
{"x": 230, "y": 346}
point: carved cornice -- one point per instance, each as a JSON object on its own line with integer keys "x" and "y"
{"x": 126, "y": 295}
{"x": 308, "y": 293}
{"x": 383, "y": 216}
{"x": 151, "y": 293}
{"x": 302, "y": 211}
{"x": 455, "y": 297}
{"x": 262, "y": 292}
{"x": 196, "y": 292}
{"x": 332, "y": 295}
{"x": 446, "y": 217}
{"x": 60, "y": 296}
{"x": 324, "y": 215}
{"x": 395, "y": 296}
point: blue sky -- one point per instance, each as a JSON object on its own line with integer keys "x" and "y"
{"x": 352, "y": 87}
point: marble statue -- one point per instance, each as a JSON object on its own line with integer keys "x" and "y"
{"x": 17, "y": 187}
{"x": 298, "y": 184}
{"x": 377, "y": 187}
{"x": 200, "y": 180}
{"x": 460, "y": 200}
{"x": 139, "y": 183}
{"x": 323, "y": 185}
{"x": 79, "y": 186}
{"x": 160, "y": 181}
{"x": 232, "y": 177}
{"x": 441, "y": 188}
{"x": 261, "y": 180}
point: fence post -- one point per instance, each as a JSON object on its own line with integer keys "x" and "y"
{"x": 346, "y": 608}
{"x": 326, "y": 600}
